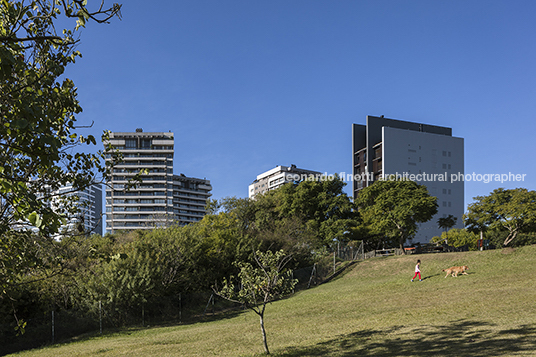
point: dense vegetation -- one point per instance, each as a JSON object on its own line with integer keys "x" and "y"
{"x": 39, "y": 145}
{"x": 123, "y": 274}
{"x": 117, "y": 276}
{"x": 131, "y": 276}
{"x": 373, "y": 310}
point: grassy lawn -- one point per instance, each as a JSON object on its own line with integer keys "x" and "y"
{"x": 373, "y": 310}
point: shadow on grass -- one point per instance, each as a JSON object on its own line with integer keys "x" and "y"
{"x": 24, "y": 345}
{"x": 430, "y": 276}
{"x": 460, "y": 338}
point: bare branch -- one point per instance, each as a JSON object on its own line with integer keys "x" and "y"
{"x": 85, "y": 126}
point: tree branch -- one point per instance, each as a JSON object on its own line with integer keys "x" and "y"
{"x": 9, "y": 39}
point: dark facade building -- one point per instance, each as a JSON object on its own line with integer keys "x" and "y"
{"x": 427, "y": 154}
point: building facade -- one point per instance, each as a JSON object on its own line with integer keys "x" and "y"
{"x": 89, "y": 218}
{"x": 157, "y": 200}
{"x": 277, "y": 177}
{"x": 427, "y": 154}
{"x": 190, "y": 197}
{"x": 81, "y": 210}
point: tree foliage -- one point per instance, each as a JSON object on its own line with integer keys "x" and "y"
{"x": 300, "y": 218}
{"x": 513, "y": 210}
{"x": 395, "y": 208}
{"x": 218, "y": 240}
{"x": 446, "y": 223}
{"x": 321, "y": 204}
{"x": 38, "y": 142}
{"x": 38, "y": 107}
{"x": 458, "y": 238}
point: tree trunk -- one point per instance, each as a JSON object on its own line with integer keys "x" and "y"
{"x": 264, "y": 334}
{"x": 402, "y": 240}
{"x": 510, "y": 238}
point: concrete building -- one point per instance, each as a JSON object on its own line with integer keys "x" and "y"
{"x": 277, "y": 177}
{"x": 89, "y": 218}
{"x": 190, "y": 197}
{"x": 427, "y": 154}
{"x": 81, "y": 209}
{"x": 162, "y": 198}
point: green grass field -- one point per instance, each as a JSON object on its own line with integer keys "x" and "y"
{"x": 372, "y": 310}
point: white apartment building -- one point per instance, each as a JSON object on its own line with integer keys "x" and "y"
{"x": 80, "y": 209}
{"x": 427, "y": 154}
{"x": 88, "y": 219}
{"x": 277, "y": 177}
{"x": 162, "y": 198}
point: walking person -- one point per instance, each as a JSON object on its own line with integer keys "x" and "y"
{"x": 417, "y": 270}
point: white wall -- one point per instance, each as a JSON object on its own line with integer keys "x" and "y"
{"x": 432, "y": 158}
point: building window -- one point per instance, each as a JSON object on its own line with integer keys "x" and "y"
{"x": 130, "y": 143}
{"x": 145, "y": 143}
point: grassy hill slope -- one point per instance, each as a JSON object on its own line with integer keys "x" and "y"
{"x": 373, "y": 309}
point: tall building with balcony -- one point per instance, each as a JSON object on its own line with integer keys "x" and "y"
{"x": 427, "y": 154}
{"x": 157, "y": 200}
{"x": 190, "y": 197}
{"x": 277, "y": 177}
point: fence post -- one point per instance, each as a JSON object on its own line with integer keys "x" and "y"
{"x": 100, "y": 317}
{"x": 211, "y": 298}
{"x": 180, "y": 308}
{"x": 334, "y": 261}
{"x": 52, "y": 325}
{"x": 311, "y": 277}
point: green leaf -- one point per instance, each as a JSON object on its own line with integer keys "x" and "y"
{"x": 35, "y": 219}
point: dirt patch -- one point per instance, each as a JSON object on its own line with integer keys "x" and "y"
{"x": 508, "y": 250}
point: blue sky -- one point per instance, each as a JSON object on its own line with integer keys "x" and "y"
{"x": 249, "y": 85}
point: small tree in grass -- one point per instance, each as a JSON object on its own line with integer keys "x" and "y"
{"x": 260, "y": 284}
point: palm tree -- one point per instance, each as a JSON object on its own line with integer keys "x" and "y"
{"x": 447, "y": 223}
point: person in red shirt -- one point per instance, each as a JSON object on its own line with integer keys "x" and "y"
{"x": 417, "y": 270}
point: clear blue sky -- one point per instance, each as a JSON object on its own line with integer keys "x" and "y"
{"x": 249, "y": 85}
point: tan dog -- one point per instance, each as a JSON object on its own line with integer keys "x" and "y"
{"x": 456, "y": 270}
